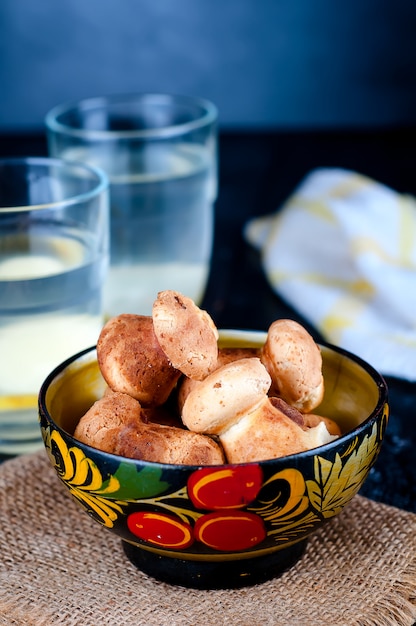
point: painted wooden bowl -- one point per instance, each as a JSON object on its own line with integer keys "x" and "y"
{"x": 224, "y": 526}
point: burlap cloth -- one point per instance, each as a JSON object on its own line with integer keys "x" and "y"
{"x": 59, "y": 567}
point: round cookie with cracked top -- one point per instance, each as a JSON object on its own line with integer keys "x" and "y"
{"x": 186, "y": 334}
{"x": 132, "y": 361}
{"x": 115, "y": 424}
{"x": 225, "y": 355}
{"x": 225, "y": 395}
{"x": 294, "y": 362}
{"x": 270, "y": 431}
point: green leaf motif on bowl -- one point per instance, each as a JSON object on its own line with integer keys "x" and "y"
{"x": 134, "y": 485}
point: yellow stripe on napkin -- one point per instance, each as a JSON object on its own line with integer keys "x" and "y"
{"x": 13, "y": 403}
{"x": 342, "y": 251}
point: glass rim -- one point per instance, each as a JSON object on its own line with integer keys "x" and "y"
{"x": 209, "y": 114}
{"x": 101, "y": 182}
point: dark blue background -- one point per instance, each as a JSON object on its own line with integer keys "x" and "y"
{"x": 265, "y": 63}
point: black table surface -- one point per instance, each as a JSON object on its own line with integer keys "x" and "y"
{"x": 258, "y": 170}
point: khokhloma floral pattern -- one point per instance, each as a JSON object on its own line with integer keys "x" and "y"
{"x": 223, "y": 509}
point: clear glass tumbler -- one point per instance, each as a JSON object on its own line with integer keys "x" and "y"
{"x": 54, "y": 232}
{"x": 160, "y": 154}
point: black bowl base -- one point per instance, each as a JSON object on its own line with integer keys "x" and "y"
{"x": 214, "y": 574}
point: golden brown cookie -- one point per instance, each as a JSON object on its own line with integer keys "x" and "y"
{"x": 167, "y": 444}
{"x": 225, "y": 355}
{"x": 132, "y": 361}
{"x": 101, "y": 423}
{"x": 226, "y": 394}
{"x": 294, "y": 362}
{"x": 115, "y": 424}
{"x": 268, "y": 432}
{"x": 186, "y": 334}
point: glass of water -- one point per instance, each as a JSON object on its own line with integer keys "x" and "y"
{"x": 160, "y": 154}
{"x": 54, "y": 250}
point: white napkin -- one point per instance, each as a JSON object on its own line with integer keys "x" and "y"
{"x": 342, "y": 251}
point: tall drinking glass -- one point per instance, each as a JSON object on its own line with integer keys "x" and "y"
{"x": 53, "y": 258}
{"x": 160, "y": 154}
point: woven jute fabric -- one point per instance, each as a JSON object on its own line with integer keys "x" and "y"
{"x": 58, "y": 566}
